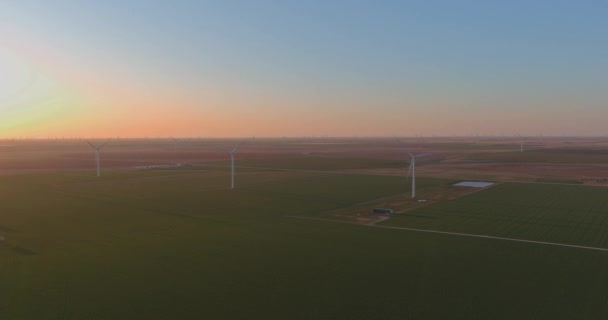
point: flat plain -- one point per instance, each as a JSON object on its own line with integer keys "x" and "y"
{"x": 176, "y": 242}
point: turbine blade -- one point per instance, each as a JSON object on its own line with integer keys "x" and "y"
{"x": 101, "y": 146}
{"x": 408, "y": 152}
{"x": 238, "y": 145}
{"x": 92, "y": 145}
{"x": 422, "y": 155}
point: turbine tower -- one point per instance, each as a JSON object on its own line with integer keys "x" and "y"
{"x": 174, "y": 144}
{"x": 412, "y": 169}
{"x": 521, "y": 144}
{"x": 97, "y": 149}
{"x": 232, "y": 153}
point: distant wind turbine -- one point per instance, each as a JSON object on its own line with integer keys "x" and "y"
{"x": 97, "y": 149}
{"x": 174, "y": 144}
{"x": 412, "y": 169}
{"x": 232, "y": 153}
{"x": 521, "y": 144}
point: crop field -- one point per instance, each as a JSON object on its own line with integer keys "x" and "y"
{"x": 575, "y": 215}
{"x": 178, "y": 243}
{"x": 555, "y": 155}
{"x": 158, "y": 244}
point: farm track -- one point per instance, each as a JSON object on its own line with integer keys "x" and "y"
{"x": 556, "y": 244}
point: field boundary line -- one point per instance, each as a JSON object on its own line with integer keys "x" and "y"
{"x": 470, "y": 235}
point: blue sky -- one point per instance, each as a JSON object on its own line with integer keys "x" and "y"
{"x": 421, "y": 67}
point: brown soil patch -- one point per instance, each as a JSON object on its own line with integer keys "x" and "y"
{"x": 362, "y": 213}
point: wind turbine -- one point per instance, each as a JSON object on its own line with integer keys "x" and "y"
{"x": 174, "y": 144}
{"x": 412, "y": 170}
{"x": 232, "y": 153}
{"x": 521, "y": 144}
{"x": 97, "y": 149}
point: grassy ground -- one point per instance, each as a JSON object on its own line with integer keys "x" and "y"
{"x": 320, "y": 162}
{"x": 556, "y": 213}
{"x": 178, "y": 244}
{"x": 556, "y": 155}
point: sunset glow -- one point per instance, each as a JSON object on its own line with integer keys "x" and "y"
{"x": 104, "y": 69}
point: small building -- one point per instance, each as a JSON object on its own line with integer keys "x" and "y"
{"x": 2, "y": 239}
{"x": 383, "y": 211}
{"x": 474, "y": 184}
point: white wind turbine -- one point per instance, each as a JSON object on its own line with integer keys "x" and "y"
{"x": 232, "y": 153}
{"x": 521, "y": 144}
{"x": 97, "y": 149}
{"x": 412, "y": 170}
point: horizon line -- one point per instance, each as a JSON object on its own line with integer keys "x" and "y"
{"x": 514, "y": 136}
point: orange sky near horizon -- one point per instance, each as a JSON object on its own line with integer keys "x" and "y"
{"x": 58, "y": 82}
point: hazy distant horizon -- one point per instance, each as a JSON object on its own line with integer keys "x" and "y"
{"x": 314, "y": 68}
{"x": 312, "y": 137}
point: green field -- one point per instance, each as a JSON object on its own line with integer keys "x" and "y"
{"x": 178, "y": 244}
{"x": 554, "y": 213}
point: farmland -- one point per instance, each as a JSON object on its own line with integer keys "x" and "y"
{"x": 554, "y": 213}
{"x": 178, "y": 243}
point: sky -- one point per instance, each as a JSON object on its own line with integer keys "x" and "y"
{"x": 128, "y": 68}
